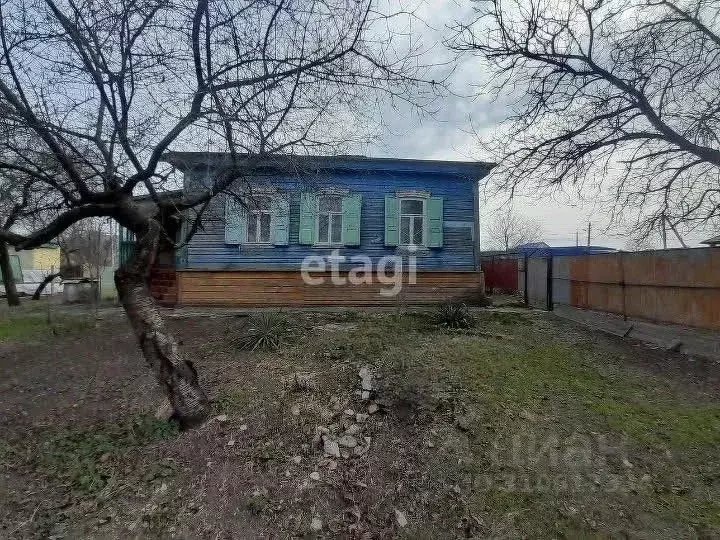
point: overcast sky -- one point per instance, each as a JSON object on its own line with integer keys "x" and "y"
{"x": 452, "y": 133}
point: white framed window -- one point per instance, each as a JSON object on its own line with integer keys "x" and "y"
{"x": 412, "y": 222}
{"x": 330, "y": 220}
{"x": 259, "y": 219}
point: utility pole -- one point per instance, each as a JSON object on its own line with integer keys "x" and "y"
{"x": 577, "y": 238}
{"x": 589, "y": 227}
{"x": 664, "y": 232}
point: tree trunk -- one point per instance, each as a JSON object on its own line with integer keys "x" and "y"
{"x": 176, "y": 376}
{"x": 8, "y": 279}
{"x": 41, "y": 287}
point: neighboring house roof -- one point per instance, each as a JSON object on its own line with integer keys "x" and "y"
{"x": 196, "y": 160}
{"x": 541, "y": 249}
{"x": 714, "y": 241}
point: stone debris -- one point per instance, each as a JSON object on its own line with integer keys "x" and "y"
{"x": 295, "y": 410}
{"x": 318, "y": 438}
{"x": 348, "y": 441}
{"x": 366, "y": 382}
{"x": 400, "y": 518}
{"x": 361, "y": 450}
{"x": 164, "y": 411}
{"x": 316, "y": 524}
{"x": 221, "y": 417}
{"x": 331, "y": 447}
{"x": 366, "y": 378}
{"x": 342, "y": 437}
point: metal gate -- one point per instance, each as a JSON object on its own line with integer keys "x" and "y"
{"x": 535, "y": 281}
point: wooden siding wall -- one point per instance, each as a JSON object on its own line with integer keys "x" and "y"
{"x": 286, "y": 288}
{"x": 163, "y": 285}
{"x": 207, "y": 249}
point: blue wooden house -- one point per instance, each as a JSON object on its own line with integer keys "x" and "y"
{"x": 328, "y": 231}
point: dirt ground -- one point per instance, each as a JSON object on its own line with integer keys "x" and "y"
{"x": 524, "y": 426}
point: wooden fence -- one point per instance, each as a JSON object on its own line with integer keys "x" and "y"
{"x": 679, "y": 286}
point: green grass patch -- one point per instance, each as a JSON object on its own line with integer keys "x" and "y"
{"x": 536, "y": 373}
{"x": 23, "y": 327}
{"x": 516, "y": 381}
{"x": 85, "y": 458}
{"x": 232, "y": 400}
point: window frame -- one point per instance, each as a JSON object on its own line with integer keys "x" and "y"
{"x": 329, "y": 213}
{"x": 411, "y": 230}
{"x": 256, "y": 214}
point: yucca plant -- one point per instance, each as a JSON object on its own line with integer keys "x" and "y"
{"x": 455, "y": 315}
{"x": 266, "y": 331}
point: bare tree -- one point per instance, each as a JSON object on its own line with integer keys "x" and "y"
{"x": 508, "y": 230}
{"x": 23, "y": 201}
{"x": 86, "y": 244}
{"x": 615, "y": 93}
{"x": 640, "y": 244}
{"x": 108, "y": 87}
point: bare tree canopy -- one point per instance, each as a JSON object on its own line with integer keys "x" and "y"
{"x": 508, "y": 230}
{"x": 97, "y": 92}
{"x": 621, "y": 94}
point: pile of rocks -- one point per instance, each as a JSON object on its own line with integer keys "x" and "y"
{"x": 344, "y": 438}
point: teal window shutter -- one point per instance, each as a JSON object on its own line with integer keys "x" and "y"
{"x": 235, "y": 221}
{"x": 16, "y": 269}
{"x": 281, "y": 220}
{"x": 392, "y": 219}
{"x": 308, "y": 214}
{"x": 434, "y": 220}
{"x": 351, "y": 208}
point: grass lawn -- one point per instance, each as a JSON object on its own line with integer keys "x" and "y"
{"x": 32, "y": 326}
{"x": 524, "y": 426}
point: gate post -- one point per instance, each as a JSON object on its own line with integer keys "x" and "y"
{"x": 549, "y": 288}
{"x": 526, "y": 297}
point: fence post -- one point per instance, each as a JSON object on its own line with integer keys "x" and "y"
{"x": 622, "y": 286}
{"x": 525, "y": 278}
{"x": 549, "y": 288}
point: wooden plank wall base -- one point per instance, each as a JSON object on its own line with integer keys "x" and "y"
{"x": 286, "y": 288}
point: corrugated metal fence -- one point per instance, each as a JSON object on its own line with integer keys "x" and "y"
{"x": 679, "y": 286}
{"x": 501, "y": 272}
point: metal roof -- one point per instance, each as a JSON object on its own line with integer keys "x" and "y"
{"x": 195, "y": 160}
